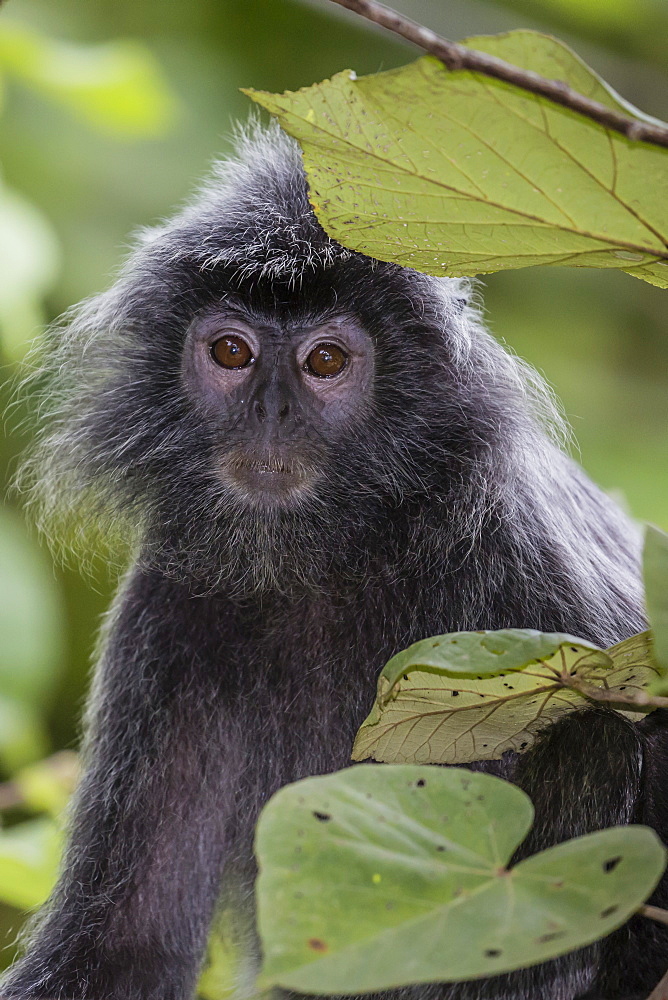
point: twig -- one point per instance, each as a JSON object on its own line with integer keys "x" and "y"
{"x": 11, "y": 795}
{"x": 654, "y": 913}
{"x": 456, "y": 56}
{"x": 660, "y": 992}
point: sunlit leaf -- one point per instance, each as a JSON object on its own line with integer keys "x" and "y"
{"x": 228, "y": 963}
{"x": 455, "y": 173}
{"x": 29, "y": 858}
{"x": 47, "y": 785}
{"x": 655, "y": 572}
{"x": 29, "y": 258}
{"x": 378, "y": 876}
{"x": 473, "y": 695}
{"x": 116, "y": 86}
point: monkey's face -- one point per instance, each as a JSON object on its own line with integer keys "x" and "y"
{"x": 276, "y": 398}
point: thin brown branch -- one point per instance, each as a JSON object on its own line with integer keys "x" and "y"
{"x": 456, "y": 56}
{"x": 11, "y": 795}
{"x": 638, "y": 699}
{"x": 660, "y": 992}
{"x": 654, "y": 913}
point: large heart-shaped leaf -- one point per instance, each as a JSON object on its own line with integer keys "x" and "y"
{"x": 379, "y": 876}
{"x": 473, "y": 695}
{"x": 456, "y": 173}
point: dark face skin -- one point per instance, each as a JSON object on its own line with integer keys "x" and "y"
{"x": 276, "y": 396}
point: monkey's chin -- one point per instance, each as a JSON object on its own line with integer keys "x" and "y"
{"x": 268, "y": 483}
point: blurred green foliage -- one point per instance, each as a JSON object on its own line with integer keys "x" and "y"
{"x": 111, "y": 111}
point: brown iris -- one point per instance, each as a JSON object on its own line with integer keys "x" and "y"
{"x": 231, "y": 352}
{"x": 326, "y": 360}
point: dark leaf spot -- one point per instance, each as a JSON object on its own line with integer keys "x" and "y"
{"x": 323, "y": 817}
{"x": 421, "y": 783}
{"x": 544, "y": 938}
{"x": 611, "y": 864}
{"x": 609, "y": 911}
{"x": 454, "y": 694}
{"x": 317, "y": 944}
{"x": 492, "y": 953}
{"x": 440, "y": 847}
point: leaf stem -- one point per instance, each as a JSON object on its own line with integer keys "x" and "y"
{"x": 639, "y": 698}
{"x": 455, "y": 56}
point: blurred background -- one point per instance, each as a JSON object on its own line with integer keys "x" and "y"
{"x": 111, "y": 111}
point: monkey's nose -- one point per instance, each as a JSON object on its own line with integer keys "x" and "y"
{"x": 276, "y": 410}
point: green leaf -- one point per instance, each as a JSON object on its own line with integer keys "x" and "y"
{"x": 469, "y": 696}
{"x": 117, "y": 87}
{"x": 31, "y": 617}
{"x": 29, "y": 859}
{"x": 230, "y": 968}
{"x": 47, "y": 785}
{"x": 23, "y": 738}
{"x": 29, "y": 259}
{"x": 377, "y": 877}
{"x": 655, "y": 572}
{"x": 455, "y": 173}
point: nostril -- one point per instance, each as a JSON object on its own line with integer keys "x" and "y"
{"x": 283, "y": 412}
{"x": 260, "y": 411}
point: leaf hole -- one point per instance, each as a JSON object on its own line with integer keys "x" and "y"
{"x": 420, "y": 782}
{"x": 322, "y": 817}
{"x": 454, "y": 694}
{"x": 611, "y": 864}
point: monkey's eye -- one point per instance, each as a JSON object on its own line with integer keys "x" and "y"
{"x": 326, "y": 361}
{"x": 231, "y": 352}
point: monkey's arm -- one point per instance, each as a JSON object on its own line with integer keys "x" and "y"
{"x": 130, "y": 914}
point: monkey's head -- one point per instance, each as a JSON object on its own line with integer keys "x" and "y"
{"x": 280, "y": 397}
{"x": 254, "y": 406}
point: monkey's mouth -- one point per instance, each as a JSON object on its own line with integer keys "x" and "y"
{"x": 272, "y": 475}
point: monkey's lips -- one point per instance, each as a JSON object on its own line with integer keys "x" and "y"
{"x": 272, "y": 476}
